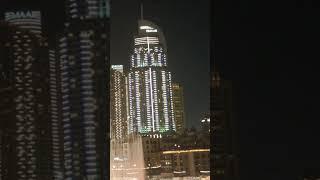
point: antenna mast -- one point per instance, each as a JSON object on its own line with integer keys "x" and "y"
{"x": 141, "y": 10}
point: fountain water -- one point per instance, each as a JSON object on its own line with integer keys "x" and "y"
{"x": 126, "y": 160}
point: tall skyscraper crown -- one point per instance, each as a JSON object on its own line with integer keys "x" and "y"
{"x": 151, "y": 30}
{"x": 88, "y": 9}
{"x": 29, "y": 20}
{"x": 149, "y": 46}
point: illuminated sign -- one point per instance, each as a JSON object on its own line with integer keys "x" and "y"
{"x": 145, "y": 27}
{"x": 20, "y": 14}
{"x": 186, "y": 151}
{"x": 151, "y": 30}
{"x": 117, "y": 67}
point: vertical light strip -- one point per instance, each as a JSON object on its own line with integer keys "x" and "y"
{"x": 152, "y": 100}
{"x": 173, "y": 122}
{"x": 148, "y": 100}
{"x": 156, "y": 103}
{"x": 148, "y": 44}
{"x": 127, "y": 104}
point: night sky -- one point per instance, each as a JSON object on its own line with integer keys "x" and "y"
{"x": 270, "y": 51}
{"x": 185, "y": 25}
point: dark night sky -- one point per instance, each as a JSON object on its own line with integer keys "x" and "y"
{"x": 186, "y": 28}
{"x": 270, "y": 51}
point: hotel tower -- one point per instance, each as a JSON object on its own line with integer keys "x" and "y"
{"x": 149, "y": 82}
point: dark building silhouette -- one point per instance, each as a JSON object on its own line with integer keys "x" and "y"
{"x": 80, "y": 92}
{"x": 223, "y": 137}
{"x": 7, "y": 118}
{"x": 178, "y": 104}
{"x": 24, "y": 122}
{"x": 56, "y": 114}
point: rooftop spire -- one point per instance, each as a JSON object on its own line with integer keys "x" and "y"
{"x": 216, "y": 74}
{"x": 141, "y": 10}
{"x": 214, "y": 59}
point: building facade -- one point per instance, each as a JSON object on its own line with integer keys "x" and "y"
{"x": 83, "y": 72}
{"x": 56, "y": 114}
{"x": 26, "y": 73}
{"x": 185, "y": 155}
{"x": 223, "y": 133}
{"x": 118, "y": 106}
{"x": 178, "y": 104}
{"x": 152, "y": 153}
{"x": 7, "y": 106}
{"x": 205, "y": 123}
{"x": 150, "y": 83}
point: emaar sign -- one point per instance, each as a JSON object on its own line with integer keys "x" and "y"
{"x": 21, "y": 14}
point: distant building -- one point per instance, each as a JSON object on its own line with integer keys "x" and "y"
{"x": 7, "y": 106}
{"x": 205, "y": 123}
{"x": 223, "y": 134}
{"x": 178, "y": 104}
{"x": 152, "y": 153}
{"x": 118, "y": 106}
{"x": 169, "y": 155}
{"x": 185, "y": 155}
{"x": 150, "y": 82}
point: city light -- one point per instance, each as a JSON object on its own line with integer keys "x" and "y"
{"x": 185, "y": 151}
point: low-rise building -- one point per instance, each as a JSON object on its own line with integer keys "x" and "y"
{"x": 174, "y": 155}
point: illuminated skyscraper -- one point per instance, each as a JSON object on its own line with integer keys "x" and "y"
{"x": 25, "y": 71}
{"x": 118, "y": 113}
{"x": 178, "y": 104}
{"x": 149, "y": 81}
{"x": 83, "y": 74}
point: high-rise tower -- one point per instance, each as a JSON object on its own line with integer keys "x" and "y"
{"x": 118, "y": 113}
{"x": 223, "y": 132}
{"x": 25, "y": 72}
{"x": 83, "y": 72}
{"x": 178, "y": 104}
{"x": 149, "y": 82}
{"x": 7, "y": 106}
